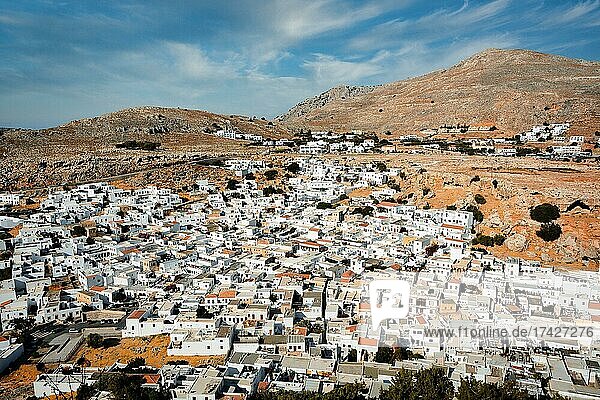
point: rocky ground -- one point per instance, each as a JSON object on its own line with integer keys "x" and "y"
{"x": 520, "y": 184}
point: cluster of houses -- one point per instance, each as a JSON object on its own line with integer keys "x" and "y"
{"x": 276, "y": 285}
{"x": 252, "y": 137}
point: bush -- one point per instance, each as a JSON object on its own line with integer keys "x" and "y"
{"x": 138, "y": 145}
{"x": 78, "y": 230}
{"x": 479, "y": 199}
{"x": 294, "y": 167}
{"x": 476, "y": 178}
{"x": 364, "y": 211}
{"x": 544, "y": 213}
{"x": 136, "y": 362}
{"x": 477, "y": 215}
{"x": 271, "y": 174}
{"x": 499, "y": 239}
{"x": 549, "y": 232}
{"x": 323, "y": 205}
{"x": 578, "y": 203}
{"x": 270, "y": 190}
{"x": 381, "y": 167}
{"x": 95, "y": 341}
{"x": 232, "y": 184}
{"x": 484, "y": 240}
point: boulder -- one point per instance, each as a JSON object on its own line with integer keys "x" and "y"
{"x": 516, "y": 242}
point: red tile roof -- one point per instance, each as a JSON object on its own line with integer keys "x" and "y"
{"x": 137, "y": 314}
{"x": 367, "y": 341}
{"x": 387, "y": 204}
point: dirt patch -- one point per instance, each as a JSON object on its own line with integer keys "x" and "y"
{"x": 153, "y": 349}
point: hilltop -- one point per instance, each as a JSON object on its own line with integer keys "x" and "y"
{"x": 511, "y": 89}
{"x": 86, "y": 149}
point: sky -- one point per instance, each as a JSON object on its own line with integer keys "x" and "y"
{"x": 64, "y": 60}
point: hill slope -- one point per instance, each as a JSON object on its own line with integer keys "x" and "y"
{"x": 85, "y": 149}
{"x": 512, "y": 89}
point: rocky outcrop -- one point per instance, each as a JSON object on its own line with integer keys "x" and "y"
{"x": 516, "y": 242}
{"x": 337, "y": 93}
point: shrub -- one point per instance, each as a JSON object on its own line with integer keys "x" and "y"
{"x": 544, "y": 213}
{"x": 271, "y": 174}
{"x": 270, "y": 190}
{"x": 549, "y": 232}
{"x": 294, "y": 167}
{"x": 95, "y": 341}
{"x": 364, "y": 211}
{"x": 484, "y": 240}
{"x": 499, "y": 239}
{"x": 78, "y": 230}
{"x": 381, "y": 167}
{"x": 232, "y": 184}
{"x": 477, "y": 215}
{"x": 479, "y": 199}
{"x": 136, "y": 362}
{"x": 323, "y": 205}
{"x": 476, "y": 178}
{"x": 578, "y": 203}
{"x": 138, "y": 145}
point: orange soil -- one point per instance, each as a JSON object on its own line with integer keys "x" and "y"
{"x": 152, "y": 349}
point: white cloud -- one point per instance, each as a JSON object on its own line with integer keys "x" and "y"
{"x": 438, "y": 25}
{"x": 329, "y": 69}
{"x": 578, "y": 11}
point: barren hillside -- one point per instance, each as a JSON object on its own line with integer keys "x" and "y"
{"x": 512, "y": 89}
{"x": 85, "y": 149}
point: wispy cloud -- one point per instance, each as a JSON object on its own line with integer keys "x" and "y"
{"x": 79, "y": 58}
{"x": 331, "y": 70}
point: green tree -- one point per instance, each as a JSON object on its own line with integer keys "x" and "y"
{"x": 384, "y": 355}
{"x": 479, "y": 199}
{"x": 22, "y": 328}
{"x": 136, "y": 362}
{"x": 271, "y": 174}
{"x": 293, "y": 167}
{"x": 427, "y": 384}
{"x": 119, "y": 295}
{"x": 352, "y": 355}
{"x": 381, "y": 167}
{"x": 232, "y": 184}
{"x": 78, "y": 230}
{"x": 95, "y": 341}
{"x": 323, "y": 205}
{"x": 85, "y": 392}
{"x": 477, "y": 215}
{"x": 549, "y": 232}
{"x": 499, "y": 239}
{"x": 544, "y": 213}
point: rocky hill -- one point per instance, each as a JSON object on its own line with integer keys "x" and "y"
{"x": 86, "y": 149}
{"x": 511, "y": 89}
{"x": 337, "y": 93}
{"x": 161, "y": 120}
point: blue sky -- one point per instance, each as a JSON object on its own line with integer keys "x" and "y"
{"x": 63, "y": 60}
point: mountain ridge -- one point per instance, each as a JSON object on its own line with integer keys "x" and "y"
{"x": 512, "y": 89}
